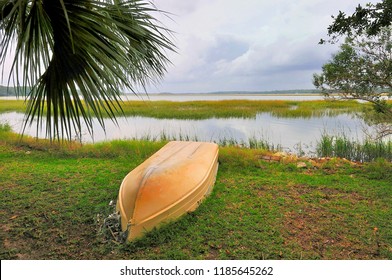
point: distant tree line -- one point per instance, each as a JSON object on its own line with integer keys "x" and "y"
{"x": 5, "y": 91}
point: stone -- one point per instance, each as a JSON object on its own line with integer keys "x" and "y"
{"x": 301, "y": 164}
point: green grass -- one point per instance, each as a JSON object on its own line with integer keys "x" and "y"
{"x": 221, "y": 109}
{"x": 54, "y": 197}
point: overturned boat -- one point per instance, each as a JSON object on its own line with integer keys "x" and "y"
{"x": 167, "y": 185}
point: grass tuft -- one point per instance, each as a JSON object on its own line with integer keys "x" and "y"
{"x": 342, "y": 147}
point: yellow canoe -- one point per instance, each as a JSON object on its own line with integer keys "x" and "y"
{"x": 167, "y": 185}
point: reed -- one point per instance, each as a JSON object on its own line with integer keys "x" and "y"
{"x": 263, "y": 144}
{"x": 5, "y": 127}
{"x": 362, "y": 151}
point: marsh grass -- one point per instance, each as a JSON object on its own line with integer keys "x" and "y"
{"x": 12, "y": 106}
{"x": 52, "y": 197}
{"x": 362, "y": 151}
{"x": 221, "y": 109}
{"x": 263, "y": 144}
{"x": 5, "y": 127}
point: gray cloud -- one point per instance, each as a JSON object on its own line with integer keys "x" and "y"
{"x": 247, "y": 45}
{"x": 226, "y": 49}
{"x": 250, "y": 44}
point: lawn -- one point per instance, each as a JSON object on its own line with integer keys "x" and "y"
{"x": 55, "y": 197}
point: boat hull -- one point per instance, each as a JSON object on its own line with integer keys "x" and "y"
{"x": 170, "y": 183}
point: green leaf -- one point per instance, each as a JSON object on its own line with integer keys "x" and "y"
{"x": 73, "y": 58}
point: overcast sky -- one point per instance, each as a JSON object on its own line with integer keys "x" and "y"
{"x": 247, "y": 45}
{"x": 251, "y": 45}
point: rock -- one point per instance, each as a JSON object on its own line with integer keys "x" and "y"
{"x": 301, "y": 164}
{"x": 267, "y": 158}
{"x": 275, "y": 158}
{"x": 270, "y": 158}
{"x": 280, "y": 154}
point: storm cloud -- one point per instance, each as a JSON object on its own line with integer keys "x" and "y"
{"x": 250, "y": 45}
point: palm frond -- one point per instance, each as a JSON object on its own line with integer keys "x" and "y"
{"x": 76, "y": 56}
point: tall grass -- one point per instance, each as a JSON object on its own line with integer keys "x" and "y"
{"x": 5, "y": 130}
{"x": 221, "y": 108}
{"x": 263, "y": 144}
{"x": 5, "y": 127}
{"x": 363, "y": 151}
{"x": 251, "y": 142}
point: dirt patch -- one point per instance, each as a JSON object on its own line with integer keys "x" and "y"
{"x": 213, "y": 253}
{"x": 28, "y": 241}
{"x": 308, "y": 228}
{"x": 320, "y": 230}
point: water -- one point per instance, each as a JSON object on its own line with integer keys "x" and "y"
{"x": 208, "y": 97}
{"x": 292, "y": 134}
{"x": 213, "y": 97}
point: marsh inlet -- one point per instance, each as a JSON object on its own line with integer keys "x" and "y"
{"x": 289, "y": 134}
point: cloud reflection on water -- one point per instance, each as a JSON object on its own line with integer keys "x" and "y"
{"x": 286, "y": 132}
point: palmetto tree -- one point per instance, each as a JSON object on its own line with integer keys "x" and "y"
{"x": 72, "y": 58}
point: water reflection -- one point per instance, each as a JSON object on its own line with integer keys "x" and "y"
{"x": 285, "y": 132}
{"x": 223, "y": 96}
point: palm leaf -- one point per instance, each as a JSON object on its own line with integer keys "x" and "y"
{"x": 74, "y": 57}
